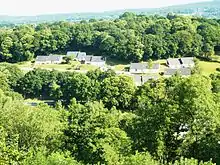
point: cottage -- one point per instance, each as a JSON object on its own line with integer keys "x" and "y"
{"x": 187, "y": 62}
{"x": 140, "y": 80}
{"x": 42, "y": 60}
{"x": 81, "y": 56}
{"x": 182, "y": 71}
{"x": 72, "y": 53}
{"x": 174, "y": 63}
{"x": 139, "y": 68}
{"x": 97, "y": 61}
{"x": 51, "y": 59}
{"x": 154, "y": 69}
{"x": 55, "y": 59}
{"x": 87, "y": 59}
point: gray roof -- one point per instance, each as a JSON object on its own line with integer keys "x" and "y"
{"x": 49, "y": 58}
{"x": 143, "y": 79}
{"x": 55, "y": 58}
{"x": 71, "y": 53}
{"x": 142, "y": 66}
{"x": 97, "y": 59}
{"x": 173, "y": 61}
{"x": 81, "y": 54}
{"x": 182, "y": 71}
{"x": 187, "y": 60}
{"x": 138, "y": 66}
{"x": 42, "y": 58}
{"x": 156, "y": 66}
{"x": 88, "y": 58}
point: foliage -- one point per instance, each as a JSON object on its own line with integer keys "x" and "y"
{"x": 130, "y": 38}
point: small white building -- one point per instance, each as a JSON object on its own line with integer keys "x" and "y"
{"x": 187, "y": 62}
{"x": 138, "y": 68}
{"x": 97, "y": 61}
{"x": 174, "y": 63}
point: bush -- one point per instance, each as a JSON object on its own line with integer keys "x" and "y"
{"x": 218, "y": 69}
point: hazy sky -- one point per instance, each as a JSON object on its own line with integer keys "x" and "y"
{"x": 33, "y": 7}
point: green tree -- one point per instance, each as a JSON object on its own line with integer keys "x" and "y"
{"x": 117, "y": 91}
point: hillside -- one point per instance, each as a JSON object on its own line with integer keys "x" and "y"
{"x": 210, "y": 9}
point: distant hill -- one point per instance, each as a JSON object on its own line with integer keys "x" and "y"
{"x": 210, "y": 9}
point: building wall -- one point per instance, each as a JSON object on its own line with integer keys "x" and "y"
{"x": 56, "y": 62}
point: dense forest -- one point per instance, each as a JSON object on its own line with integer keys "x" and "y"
{"x": 103, "y": 118}
{"x": 129, "y": 38}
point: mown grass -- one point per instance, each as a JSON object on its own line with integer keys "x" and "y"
{"x": 208, "y": 67}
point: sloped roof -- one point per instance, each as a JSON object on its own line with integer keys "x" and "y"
{"x": 139, "y": 66}
{"x": 88, "y": 58}
{"x": 97, "y": 59}
{"x": 48, "y": 58}
{"x": 70, "y": 53}
{"x": 173, "y": 61}
{"x": 187, "y": 60}
{"x": 143, "y": 79}
{"x": 81, "y": 54}
{"x": 42, "y": 58}
{"x": 55, "y": 58}
{"x": 156, "y": 66}
{"x": 182, "y": 71}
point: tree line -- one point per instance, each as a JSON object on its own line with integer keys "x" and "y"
{"x": 102, "y": 118}
{"x": 130, "y": 38}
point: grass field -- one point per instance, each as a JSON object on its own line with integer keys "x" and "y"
{"x": 208, "y": 67}
{"x": 59, "y": 67}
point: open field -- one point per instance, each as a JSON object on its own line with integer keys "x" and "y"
{"x": 206, "y": 67}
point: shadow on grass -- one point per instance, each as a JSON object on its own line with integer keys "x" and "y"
{"x": 113, "y": 62}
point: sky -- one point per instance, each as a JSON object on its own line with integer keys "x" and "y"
{"x": 36, "y": 7}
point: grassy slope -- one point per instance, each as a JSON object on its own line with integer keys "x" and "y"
{"x": 206, "y": 67}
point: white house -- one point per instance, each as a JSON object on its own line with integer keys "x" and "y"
{"x": 55, "y": 59}
{"x": 187, "y": 62}
{"x": 81, "y": 56}
{"x": 97, "y": 61}
{"x": 138, "y": 68}
{"x": 174, "y": 63}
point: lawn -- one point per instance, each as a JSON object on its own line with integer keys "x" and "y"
{"x": 208, "y": 67}
{"x": 87, "y": 67}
